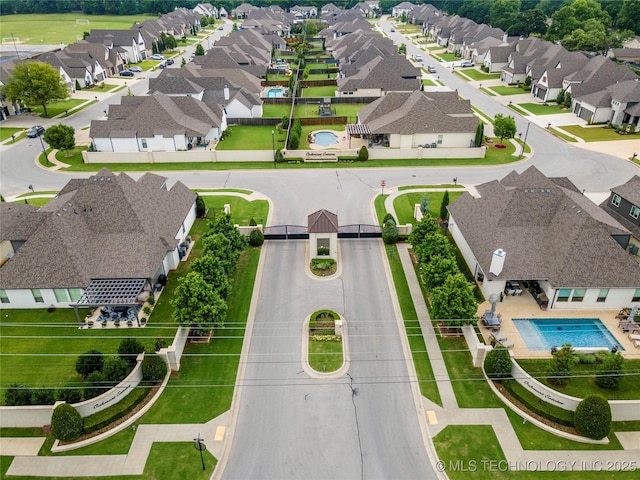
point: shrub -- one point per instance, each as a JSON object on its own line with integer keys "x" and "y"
{"x": 388, "y": 217}
{"x": 17, "y": 395}
{"x": 70, "y": 394}
{"x": 154, "y": 368}
{"x": 497, "y": 363}
{"x": 363, "y": 154}
{"x": 279, "y": 156}
{"x": 256, "y": 238}
{"x": 66, "y": 423}
{"x": 95, "y": 384}
{"x": 42, "y": 396}
{"x": 115, "y": 369}
{"x": 201, "y": 208}
{"x": 151, "y": 300}
{"x": 109, "y": 415}
{"x": 129, "y": 349}
{"x": 559, "y": 368}
{"x": 89, "y": 362}
{"x": 252, "y": 222}
{"x": 285, "y": 122}
{"x": 593, "y": 417}
{"x": 146, "y": 310}
{"x": 389, "y": 232}
{"x": 159, "y": 344}
{"x": 609, "y": 374}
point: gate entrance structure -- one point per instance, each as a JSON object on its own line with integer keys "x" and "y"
{"x": 360, "y": 230}
{"x": 299, "y": 232}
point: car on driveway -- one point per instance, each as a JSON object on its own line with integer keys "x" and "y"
{"x": 35, "y": 131}
{"x": 156, "y": 56}
{"x": 431, "y": 69}
{"x": 135, "y": 69}
{"x": 170, "y": 61}
{"x": 127, "y": 73}
{"x": 466, "y": 63}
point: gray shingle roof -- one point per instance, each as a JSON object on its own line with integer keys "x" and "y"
{"x": 547, "y": 231}
{"x": 105, "y": 226}
{"x": 391, "y": 74}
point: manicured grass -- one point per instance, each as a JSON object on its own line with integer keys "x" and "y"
{"x": 314, "y": 92}
{"x": 103, "y": 87}
{"x": 429, "y": 83}
{"x": 242, "y": 211}
{"x": 408, "y": 28}
{"x": 558, "y": 133}
{"x": 275, "y": 111}
{"x": 444, "y": 185}
{"x": 321, "y": 76}
{"x": 349, "y": 110}
{"x": 468, "y": 382}
{"x": 597, "y": 134}
{"x": 306, "y": 130}
{"x": 583, "y": 383}
{"x": 445, "y": 57}
{"x": 56, "y": 108}
{"x": 379, "y": 207}
{"x": 325, "y": 356}
{"x": 75, "y": 157}
{"x": 38, "y": 202}
{"x": 56, "y": 28}
{"x": 516, "y": 108}
{"x": 237, "y": 190}
{"x": 41, "y": 348}
{"x": 404, "y": 204}
{"x": 543, "y": 109}
{"x": 42, "y": 192}
{"x": 479, "y": 75}
{"x": 6, "y": 132}
{"x": 504, "y": 91}
{"x": 251, "y": 138}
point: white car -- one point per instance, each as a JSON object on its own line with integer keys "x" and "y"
{"x": 156, "y": 56}
{"x": 135, "y": 69}
{"x": 466, "y": 63}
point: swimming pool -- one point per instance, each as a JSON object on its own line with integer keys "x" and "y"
{"x": 325, "y": 138}
{"x": 543, "y": 334}
{"x": 275, "y": 93}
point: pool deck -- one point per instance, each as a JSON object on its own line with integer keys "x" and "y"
{"x": 524, "y": 306}
{"x": 343, "y": 141}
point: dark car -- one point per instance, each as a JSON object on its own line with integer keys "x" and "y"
{"x": 170, "y": 61}
{"x": 35, "y": 131}
{"x": 127, "y": 73}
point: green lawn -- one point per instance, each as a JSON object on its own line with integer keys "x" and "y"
{"x": 543, "y": 109}
{"x": 504, "y": 91}
{"x": 597, "y": 134}
{"x": 315, "y": 92}
{"x": 428, "y": 83}
{"x": 307, "y": 129}
{"x": 479, "y": 75}
{"x": 404, "y": 204}
{"x": 275, "y": 111}
{"x": 103, "y": 87}
{"x": 242, "y": 211}
{"x": 341, "y": 109}
{"x": 56, "y": 108}
{"x": 445, "y": 57}
{"x": 38, "y": 202}
{"x": 6, "y": 132}
{"x": 583, "y": 384}
{"x": 325, "y": 356}
{"x": 251, "y": 138}
{"x": 321, "y": 76}
{"x": 408, "y": 28}
{"x": 53, "y": 29}
{"x": 516, "y": 108}
{"x": 560, "y": 133}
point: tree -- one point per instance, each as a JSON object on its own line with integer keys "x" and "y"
{"x": 610, "y": 372}
{"x": 61, "y": 137}
{"x": 66, "y": 423}
{"x": 593, "y": 417}
{"x": 434, "y": 244}
{"x": 35, "y": 83}
{"x": 224, "y": 226}
{"x": 479, "y": 134}
{"x": 204, "y": 21}
{"x": 422, "y": 230}
{"x": 438, "y": 270}
{"x": 424, "y": 204}
{"x": 573, "y": 16}
{"x": 629, "y": 16}
{"x": 560, "y": 97}
{"x": 196, "y": 304}
{"x": 560, "y": 365}
{"x": 219, "y": 246}
{"x": 199, "y": 50}
{"x": 497, "y": 363}
{"x": 95, "y": 384}
{"x": 567, "y": 100}
{"x": 201, "y": 208}
{"x": 528, "y": 22}
{"x": 183, "y": 62}
{"x": 402, "y": 49}
{"x": 403, "y": 17}
{"x": 115, "y": 369}
{"x": 256, "y": 238}
{"x": 363, "y": 154}
{"x": 212, "y": 271}
{"x": 454, "y": 301}
{"x": 389, "y": 232}
{"x": 503, "y": 13}
{"x": 504, "y": 127}
{"x": 444, "y": 213}
{"x": 89, "y": 362}
{"x": 154, "y": 369}
{"x": 69, "y": 393}
{"x": 129, "y": 349}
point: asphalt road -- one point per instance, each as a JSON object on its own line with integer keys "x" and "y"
{"x": 361, "y": 425}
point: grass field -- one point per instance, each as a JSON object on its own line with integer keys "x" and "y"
{"x": 53, "y": 29}
{"x": 504, "y": 91}
{"x": 543, "y": 109}
{"x": 312, "y": 92}
{"x": 56, "y": 108}
{"x": 597, "y": 134}
{"x": 480, "y": 75}
{"x": 6, "y": 132}
{"x": 251, "y": 138}
{"x": 404, "y": 204}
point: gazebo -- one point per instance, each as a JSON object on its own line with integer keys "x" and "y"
{"x": 322, "y": 227}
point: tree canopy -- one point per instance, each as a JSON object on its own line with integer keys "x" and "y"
{"x": 196, "y": 304}
{"x": 504, "y": 127}
{"x": 35, "y": 83}
{"x": 61, "y": 137}
{"x": 454, "y": 301}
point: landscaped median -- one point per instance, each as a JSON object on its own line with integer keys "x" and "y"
{"x": 325, "y": 351}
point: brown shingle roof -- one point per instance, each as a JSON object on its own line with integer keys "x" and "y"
{"x": 322, "y": 221}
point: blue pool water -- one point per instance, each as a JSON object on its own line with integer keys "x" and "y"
{"x": 275, "y": 93}
{"x": 543, "y": 334}
{"x": 325, "y": 138}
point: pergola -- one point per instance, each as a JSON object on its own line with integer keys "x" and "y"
{"x": 110, "y": 292}
{"x": 357, "y": 129}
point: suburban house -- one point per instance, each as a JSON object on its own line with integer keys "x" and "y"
{"x": 131, "y": 41}
{"x": 112, "y": 61}
{"x": 242, "y": 11}
{"x": 106, "y": 237}
{"x": 624, "y": 205}
{"x": 322, "y": 227}
{"x": 402, "y": 8}
{"x": 75, "y": 73}
{"x": 302, "y": 13}
{"x": 370, "y": 9}
{"x": 542, "y": 232}
{"x": 205, "y": 10}
{"x": 420, "y": 119}
{"x": 548, "y": 85}
{"x": 378, "y": 76}
{"x": 158, "y": 123}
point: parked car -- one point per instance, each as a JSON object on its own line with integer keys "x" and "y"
{"x": 220, "y": 28}
{"x": 127, "y": 73}
{"x": 417, "y": 58}
{"x": 393, "y": 29}
{"x": 35, "y": 131}
{"x": 466, "y": 63}
{"x": 170, "y": 61}
{"x": 431, "y": 69}
{"x": 162, "y": 64}
{"x": 135, "y": 69}
{"x": 156, "y": 56}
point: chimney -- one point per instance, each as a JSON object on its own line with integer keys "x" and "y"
{"x": 497, "y": 261}
{"x": 226, "y": 92}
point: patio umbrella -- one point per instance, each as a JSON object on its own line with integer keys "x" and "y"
{"x": 634, "y": 312}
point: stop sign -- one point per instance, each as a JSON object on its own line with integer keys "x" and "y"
{"x": 383, "y": 183}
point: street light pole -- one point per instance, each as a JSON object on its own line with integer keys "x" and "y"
{"x": 525, "y": 138}
{"x": 44, "y": 150}
{"x": 200, "y": 446}
{"x": 273, "y": 146}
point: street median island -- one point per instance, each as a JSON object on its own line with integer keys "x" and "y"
{"x": 325, "y": 347}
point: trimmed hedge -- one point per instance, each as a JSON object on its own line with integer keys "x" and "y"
{"x": 66, "y": 423}
{"x": 593, "y": 417}
{"x": 539, "y": 406}
{"x": 154, "y": 369}
{"x": 109, "y": 415}
{"x": 497, "y": 363}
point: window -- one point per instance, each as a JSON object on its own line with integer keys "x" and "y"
{"x": 323, "y": 246}
{"x": 636, "y": 295}
{"x": 439, "y": 139}
{"x": 37, "y": 296}
{"x": 602, "y": 295}
{"x": 74, "y": 294}
{"x": 578, "y": 294}
{"x": 563, "y": 294}
{"x": 634, "y": 212}
{"x": 615, "y": 200}
{"x": 3, "y": 297}
{"x": 61, "y": 295}
{"x": 144, "y": 142}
